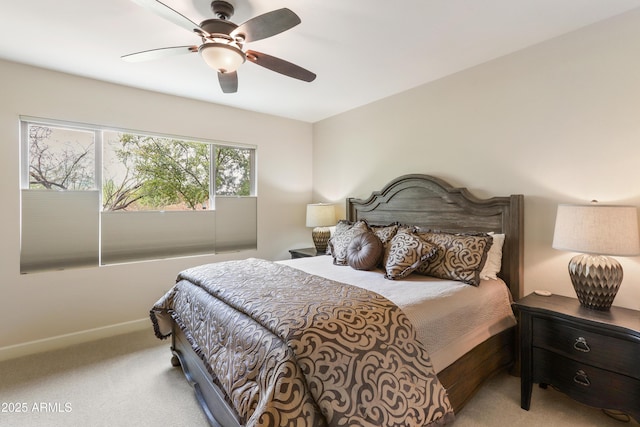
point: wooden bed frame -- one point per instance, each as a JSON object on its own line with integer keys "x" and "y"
{"x": 428, "y": 202}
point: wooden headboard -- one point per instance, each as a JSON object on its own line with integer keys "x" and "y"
{"x": 430, "y": 202}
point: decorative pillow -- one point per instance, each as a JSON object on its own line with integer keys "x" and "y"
{"x": 385, "y": 233}
{"x": 342, "y": 226}
{"x": 365, "y": 251}
{"x": 332, "y": 231}
{"x": 339, "y": 242}
{"x": 494, "y": 258}
{"x": 459, "y": 257}
{"x": 407, "y": 251}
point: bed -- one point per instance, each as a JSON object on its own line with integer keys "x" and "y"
{"x": 423, "y": 202}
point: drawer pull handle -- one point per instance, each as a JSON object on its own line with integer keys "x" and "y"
{"x": 581, "y": 345}
{"x": 581, "y": 378}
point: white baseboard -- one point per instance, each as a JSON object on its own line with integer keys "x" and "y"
{"x": 62, "y": 341}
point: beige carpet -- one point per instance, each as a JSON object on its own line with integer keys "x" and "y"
{"x": 129, "y": 381}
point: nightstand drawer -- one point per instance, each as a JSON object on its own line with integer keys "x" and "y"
{"x": 587, "y": 384}
{"x": 587, "y": 347}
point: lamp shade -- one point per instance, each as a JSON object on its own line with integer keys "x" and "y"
{"x": 597, "y": 229}
{"x": 222, "y": 57}
{"x": 321, "y": 215}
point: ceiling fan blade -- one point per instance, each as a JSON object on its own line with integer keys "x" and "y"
{"x": 228, "y": 82}
{"x": 162, "y": 52}
{"x": 280, "y": 66}
{"x": 267, "y": 25}
{"x": 169, "y": 14}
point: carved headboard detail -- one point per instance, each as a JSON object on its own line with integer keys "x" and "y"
{"x": 430, "y": 202}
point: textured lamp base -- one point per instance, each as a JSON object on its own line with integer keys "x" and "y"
{"x": 596, "y": 280}
{"x": 321, "y": 237}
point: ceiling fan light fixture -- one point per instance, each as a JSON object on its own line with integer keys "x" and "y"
{"x": 222, "y": 41}
{"x": 222, "y": 57}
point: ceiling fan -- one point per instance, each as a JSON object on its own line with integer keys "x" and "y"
{"x": 223, "y": 41}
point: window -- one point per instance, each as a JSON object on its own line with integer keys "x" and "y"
{"x": 92, "y": 195}
{"x": 61, "y": 158}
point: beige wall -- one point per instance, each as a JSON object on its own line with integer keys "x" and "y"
{"x": 44, "y": 305}
{"x": 558, "y": 122}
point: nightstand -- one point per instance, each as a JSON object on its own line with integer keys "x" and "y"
{"x": 304, "y": 252}
{"x": 592, "y": 356}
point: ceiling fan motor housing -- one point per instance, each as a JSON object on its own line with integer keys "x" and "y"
{"x": 222, "y": 9}
{"x": 218, "y": 26}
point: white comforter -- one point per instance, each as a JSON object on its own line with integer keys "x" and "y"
{"x": 450, "y": 317}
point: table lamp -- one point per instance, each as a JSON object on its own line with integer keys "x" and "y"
{"x": 597, "y": 231}
{"x": 321, "y": 216}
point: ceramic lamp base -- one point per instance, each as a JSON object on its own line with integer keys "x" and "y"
{"x": 596, "y": 280}
{"x": 321, "y": 237}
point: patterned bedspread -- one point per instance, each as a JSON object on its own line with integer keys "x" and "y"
{"x": 293, "y": 349}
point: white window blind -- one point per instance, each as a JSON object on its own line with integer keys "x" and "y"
{"x": 132, "y": 236}
{"x": 59, "y": 229}
{"x": 236, "y": 223}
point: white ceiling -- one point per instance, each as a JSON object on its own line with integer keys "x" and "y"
{"x": 361, "y": 50}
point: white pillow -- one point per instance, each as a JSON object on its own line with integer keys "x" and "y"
{"x": 494, "y": 258}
